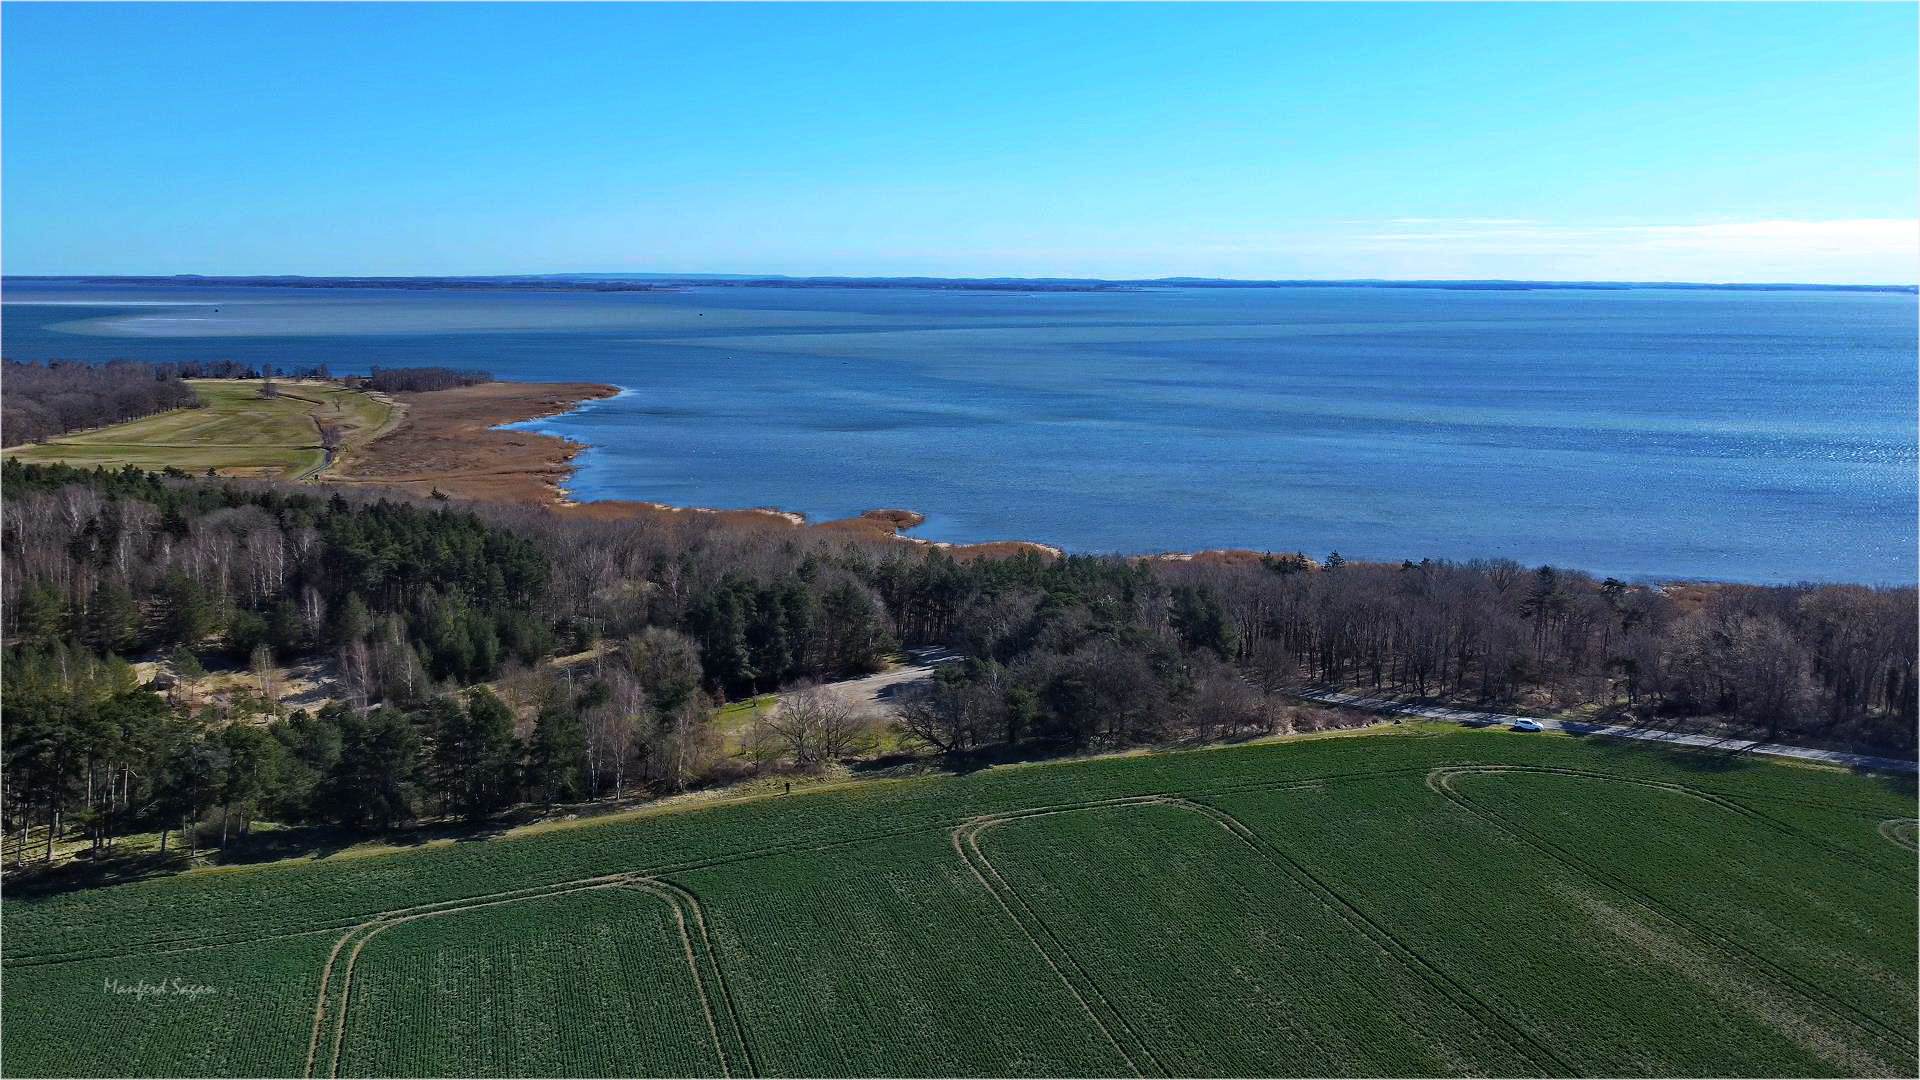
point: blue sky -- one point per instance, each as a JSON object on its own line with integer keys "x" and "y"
{"x": 1730, "y": 142}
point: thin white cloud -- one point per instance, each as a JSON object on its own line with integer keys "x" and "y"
{"x": 1863, "y": 250}
{"x": 1455, "y": 221}
{"x": 1872, "y": 251}
{"x": 1860, "y": 234}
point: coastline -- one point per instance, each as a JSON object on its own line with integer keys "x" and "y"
{"x": 451, "y": 441}
{"x": 885, "y": 524}
{"x": 459, "y": 443}
{"x": 463, "y": 444}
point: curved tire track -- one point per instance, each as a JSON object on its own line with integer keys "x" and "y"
{"x": 1111, "y": 1022}
{"x": 1901, "y": 831}
{"x": 189, "y": 942}
{"x": 685, "y": 908}
{"x": 1440, "y": 780}
{"x": 1451, "y": 990}
{"x": 735, "y": 1060}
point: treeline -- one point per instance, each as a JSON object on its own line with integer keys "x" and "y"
{"x": 90, "y": 750}
{"x": 1198, "y": 648}
{"x": 409, "y": 603}
{"x": 405, "y": 596}
{"x": 42, "y": 401}
{"x": 1108, "y": 651}
{"x": 412, "y": 603}
{"x": 416, "y": 379}
{"x": 45, "y": 401}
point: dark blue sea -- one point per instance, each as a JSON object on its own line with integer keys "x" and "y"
{"x": 1646, "y": 433}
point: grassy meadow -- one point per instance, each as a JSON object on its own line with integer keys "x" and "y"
{"x": 1416, "y": 902}
{"x": 236, "y": 431}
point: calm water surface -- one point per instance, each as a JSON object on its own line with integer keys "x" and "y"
{"x": 1646, "y": 434}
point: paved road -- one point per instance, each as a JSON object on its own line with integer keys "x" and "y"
{"x": 1619, "y": 731}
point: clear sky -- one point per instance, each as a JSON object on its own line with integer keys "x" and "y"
{"x": 1723, "y": 142}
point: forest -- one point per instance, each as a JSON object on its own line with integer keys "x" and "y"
{"x": 424, "y": 609}
{"x": 416, "y": 379}
{"x": 44, "y": 401}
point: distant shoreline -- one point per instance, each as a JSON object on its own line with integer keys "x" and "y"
{"x": 676, "y": 282}
{"x": 458, "y": 444}
{"x": 1552, "y": 427}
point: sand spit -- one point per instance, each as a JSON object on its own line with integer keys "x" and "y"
{"x": 451, "y": 442}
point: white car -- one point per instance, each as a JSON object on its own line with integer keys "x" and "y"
{"x": 1526, "y": 725}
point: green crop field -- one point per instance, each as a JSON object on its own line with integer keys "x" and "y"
{"x": 1415, "y": 903}
{"x": 236, "y": 431}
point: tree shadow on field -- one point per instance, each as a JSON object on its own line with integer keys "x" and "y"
{"x": 1707, "y": 761}
{"x": 264, "y": 846}
{"x": 309, "y": 842}
{"x": 88, "y": 874}
{"x": 322, "y": 841}
{"x": 968, "y": 762}
{"x": 1714, "y": 761}
{"x": 1903, "y": 785}
{"x": 1728, "y": 760}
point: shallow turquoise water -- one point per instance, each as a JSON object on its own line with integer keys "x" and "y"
{"x": 1645, "y": 433}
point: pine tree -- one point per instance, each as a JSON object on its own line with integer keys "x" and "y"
{"x": 860, "y": 638}
{"x": 189, "y": 781}
{"x": 351, "y": 619}
{"x": 190, "y": 614}
{"x": 474, "y": 752}
{"x": 41, "y": 613}
{"x": 371, "y": 786}
{"x": 113, "y": 618}
{"x": 556, "y": 767}
{"x": 248, "y": 765}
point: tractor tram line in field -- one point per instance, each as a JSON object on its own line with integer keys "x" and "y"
{"x": 321, "y": 1008}
{"x": 175, "y": 948}
{"x": 687, "y": 911}
{"x": 1438, "y": 780}
{"x": 185, "y": 943}
{"x": 966, "y": 844}
{"x": 1847, "y": 1012}
{"x": 725, "y": 1025}
{"x": 684, "y": 906}
{"x": 1901, "y": 832}
{"x": 182, "y": 944}
{"x": 1843, "y": 1010}
{"x": 1443, "y": 983}
{"x": 966, "y": 840}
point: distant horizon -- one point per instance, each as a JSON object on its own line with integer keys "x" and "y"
{"x": 1038, "y": 279}
{"x": 1544, "y": 142}
{"x": 1714, "y": 432}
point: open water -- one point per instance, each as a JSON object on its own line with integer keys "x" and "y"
{"x": 1646, "y": 433}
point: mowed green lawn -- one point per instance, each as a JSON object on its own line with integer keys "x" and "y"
{"x": 1404, "y": 904}
{"x": 236, "y": 431}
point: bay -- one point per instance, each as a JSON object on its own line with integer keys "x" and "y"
{"x": 1644, "y": 433}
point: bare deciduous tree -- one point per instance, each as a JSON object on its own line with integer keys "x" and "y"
{"x": 268, "y": 676}
{"x": 815, "y": 726}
